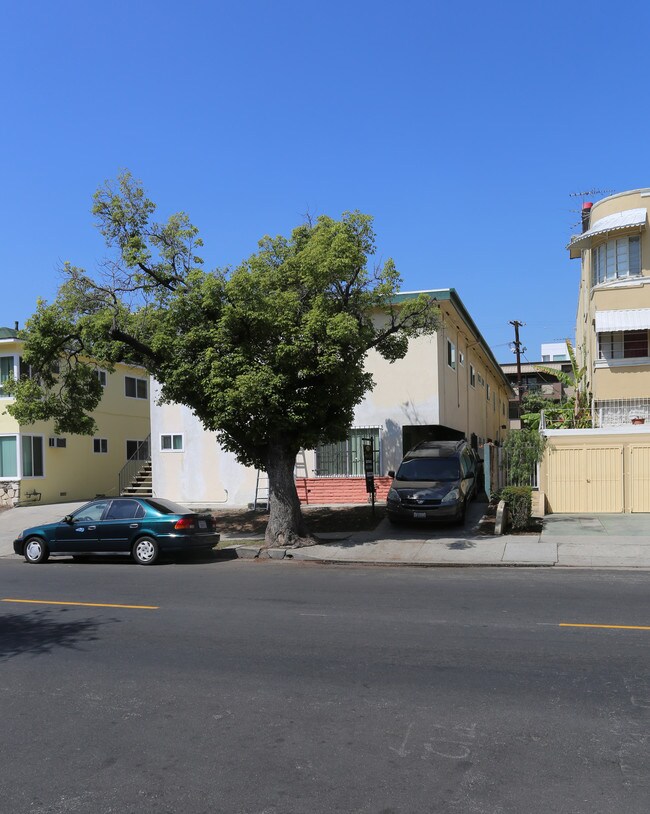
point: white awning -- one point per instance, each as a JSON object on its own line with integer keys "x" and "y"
{"x": 631, "y": 319}
{"x": 611, "y": 223}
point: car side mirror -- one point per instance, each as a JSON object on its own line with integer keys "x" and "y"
{"x": 67, "y": 518}
{"x": 391, "y": 473}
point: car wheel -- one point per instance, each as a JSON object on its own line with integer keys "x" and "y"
{"x": 145, "y": 551}
{"x": 35, "y": 550}
{"x": 461, "y": 515}
{"x": 396, "y": 521}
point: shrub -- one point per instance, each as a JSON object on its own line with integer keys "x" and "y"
{"x": 519, "y": 501}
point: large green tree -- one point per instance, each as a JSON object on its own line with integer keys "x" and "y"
{"x": 269, "y": 355}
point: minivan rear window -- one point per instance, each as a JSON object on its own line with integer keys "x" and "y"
{"x": 429, "y": 469}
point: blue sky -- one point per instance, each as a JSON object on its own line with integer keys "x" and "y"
{"x": 462, "y": 128}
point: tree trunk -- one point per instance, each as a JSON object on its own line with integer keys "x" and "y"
{"x": 286, "y": 526}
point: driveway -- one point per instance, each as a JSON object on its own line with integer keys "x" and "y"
{"x": 13, "y": 521}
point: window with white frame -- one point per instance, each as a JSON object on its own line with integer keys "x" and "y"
{"x": 171, "y": 443}
{"x": 616, "y": 258}
{"x": 451, "y": 355}
{"x": 32, "y": 453}
{"x": 135, "y": 388}
{"x": 102, "y": 376}
{"x": 8, "y": 456}
{"x": 100, "y": 445}
{"x": 623, "y": 345}
{"x": 487, "y": 392}
{"x": 345, "y": 458}
{"x": 6, "y": 371}
{"x": 472, "y": 376}
{"x": 461, "y": 358}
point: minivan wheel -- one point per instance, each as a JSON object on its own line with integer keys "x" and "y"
{"x": 145, "y": 551}
{"x": 35, "y": 550}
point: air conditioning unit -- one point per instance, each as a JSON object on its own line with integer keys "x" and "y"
{"x": 58, "y": 442}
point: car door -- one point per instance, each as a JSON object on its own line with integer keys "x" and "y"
{"x": 81, "y": 533}
{"x": 120, "y": 525}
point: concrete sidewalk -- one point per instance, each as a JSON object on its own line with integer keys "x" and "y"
{"x": 593, "y": 541}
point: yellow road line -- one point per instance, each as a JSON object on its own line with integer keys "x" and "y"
{"x": 80, "y": 604}
{"x": 608, "y": 627}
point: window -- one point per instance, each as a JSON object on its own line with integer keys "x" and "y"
{"x": 451, "y": 355}
{"x": 487, "y": 392}
{"x": 615, "y": 259}
{"x": 137, "y": 450}
{"x": 345, "y": 458}
{"x": 623, "y": 345}
{"x": 101, "y": 375}
{"x": 91, "y": 513}
{"x": 171, "y": 443}
{"x": 135, "y": 388}
{"x": 6, "y": 370}
{"x": 472, "y": 376}
{"x": 32, "y": 448}
{"x": 8, "y": 456}
{"x": 100, "y": 445}
{"x": 461, "y": 358}
{"x": 124, "y": 510}
{"x": 25, "y": 370}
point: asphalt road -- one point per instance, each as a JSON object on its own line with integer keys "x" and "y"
{"x": 277, "y": 688}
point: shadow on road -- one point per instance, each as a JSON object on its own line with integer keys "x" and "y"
{"x": 40, "y": 631}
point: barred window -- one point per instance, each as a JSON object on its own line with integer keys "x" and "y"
{"x": 623, "y": 344}
{"x": 345, "y": 458}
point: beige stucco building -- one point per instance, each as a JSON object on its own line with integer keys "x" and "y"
{"x": 613, "y": 318}
{"x": 36, "y": 464}
{"x": 607, "y": 468}
{"x": 448, "y": 385}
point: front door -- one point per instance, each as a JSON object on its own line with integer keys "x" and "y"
{"x": 137, "y": 451}
{"x": 82, "y": 533}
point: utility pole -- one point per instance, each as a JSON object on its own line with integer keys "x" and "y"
{"x": 517, "y": 325}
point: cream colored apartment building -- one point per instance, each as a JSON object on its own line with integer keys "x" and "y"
{"x": 613, "y": 318}
{"x": 37, "y": 464}
{"x": 449, "y": 385}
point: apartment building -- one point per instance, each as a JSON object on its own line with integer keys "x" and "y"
{"x": 38, "y": 465}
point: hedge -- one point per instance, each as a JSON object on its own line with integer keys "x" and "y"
{"x": 519, "y": 500}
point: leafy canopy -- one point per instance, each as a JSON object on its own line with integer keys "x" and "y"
{"x": 269, "y": 354}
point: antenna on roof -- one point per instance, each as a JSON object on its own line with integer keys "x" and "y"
{"x": 590, "y": 192}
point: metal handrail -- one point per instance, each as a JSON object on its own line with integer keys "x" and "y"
{"x": 136, "y": 462}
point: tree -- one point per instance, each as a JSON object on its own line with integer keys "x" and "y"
{"x": 269, "y": 355}
{"x": 575, "y": 412}
{"x": 524, "y": 450}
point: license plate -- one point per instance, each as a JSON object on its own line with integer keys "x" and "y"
{"x": 419, "y": 515}
{"x": 203, "y": 524}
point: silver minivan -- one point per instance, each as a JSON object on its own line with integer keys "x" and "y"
{"x": 435, "y": 481}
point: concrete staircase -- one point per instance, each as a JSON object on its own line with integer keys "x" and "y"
{"x": 142, "y": 483}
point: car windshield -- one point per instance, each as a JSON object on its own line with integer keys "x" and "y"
{"x": 426, "y": 469}
{"x": 160, "y": 504}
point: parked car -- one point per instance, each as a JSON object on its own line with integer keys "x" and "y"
{"x": 435, "y": 481}
{"x": 140, "y": 527}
